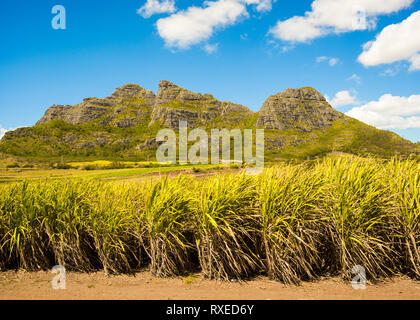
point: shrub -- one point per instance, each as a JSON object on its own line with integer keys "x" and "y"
{"x": 91, "y": 167}
{"x": 14, "y": 165}
{"x": 63, "y": 166}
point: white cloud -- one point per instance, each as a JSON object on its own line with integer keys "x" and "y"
{"x": 211, "y": 48}
{"x": 152, "y": 7}
{"x": 389, "y": 73}
{"x": 295, "y": 29}
{"x": 196, "y": 24}
{"x": 415, "y": 62}
{"x": 2, "y": 131}
{"x": 322, "y": 58}
{"x": 390, "y": 112}
{"x": 343, "y": 98}
{"x": 189, "y": 27}
{"x": 332, "y": 16}
{"x": 331, "y": 61}
{"x": 286, "y": 48}
{"x": 396, "y": 42}
{"x": 261, "y": 5}
{"x": 264, "y": 5}
{"x": 354, "y": 77}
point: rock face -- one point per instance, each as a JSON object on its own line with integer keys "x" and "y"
{"x": 123, "y": 108}
{"x": 108, "y": 134}
{"x": 83, "y": 112}
{"x": 130, "y": 105}
{"x": 134, "y": 91}
{"x": 302, "y": 109}
{"x": 174, "y": 104}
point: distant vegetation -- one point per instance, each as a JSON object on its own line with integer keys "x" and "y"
{"x": 299, "y": 124}
{"x": 345, "y": 135}
{"x": 348, "y": 136}
{"x": 293, "y": 222}
{"x": 48, "y": 142}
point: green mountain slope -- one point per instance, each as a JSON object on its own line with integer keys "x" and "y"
{"x": 298, "y": 123}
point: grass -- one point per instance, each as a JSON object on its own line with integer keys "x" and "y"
{"x": 292, "y": 223}
{"x": 168, "y": 224}
{"x": 360, "y": 225}
{"x": 190, "y": 279}
{"x": 344, "y": 135}
{"x": 22, "y": 174}
{"x": 107, "y": 163}
{"x": 225, "y": 223}
{"x": 290, "y": 204}
{"x": 404, "y": 207}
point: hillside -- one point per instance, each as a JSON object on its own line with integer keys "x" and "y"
{"x": 298, "y": 123}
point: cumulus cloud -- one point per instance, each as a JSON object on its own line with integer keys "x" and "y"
{"x": 264, "y": 5}
{"x": 332, "y": 16}
{"x": 415, "y": 62}
{"x": 394, "y": 43}
{"x": 296, "y": 29}
{"x": 196, "y": 24}
{"x": 189, "y": 27}
{"x": 343, "y": 98}
{"x": 152, "y": 7}
{"x": 2, "y": 131}
{"x": 390, "y": 112}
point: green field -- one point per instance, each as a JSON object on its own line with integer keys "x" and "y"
{"x": 21, "y": 174}
{"x": 292, "y": 222}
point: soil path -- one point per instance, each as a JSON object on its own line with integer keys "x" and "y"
{"x": 143, "y": 286}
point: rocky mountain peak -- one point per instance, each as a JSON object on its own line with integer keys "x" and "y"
{"x": 128, "y": 90}
{"x": 304, "y": 109}
{"x": 174, "y": 104}
{"x": 306, "y": 93}
{"x": 113, "y": 109}
{"x": 167, "y": 85}
{"x": 169, "y": 91}
{"x": 297, "y": 117}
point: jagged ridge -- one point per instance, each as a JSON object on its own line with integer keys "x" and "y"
{"x": 298, "y": 123}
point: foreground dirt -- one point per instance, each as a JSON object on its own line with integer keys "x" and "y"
{"x": 143, "y": 286}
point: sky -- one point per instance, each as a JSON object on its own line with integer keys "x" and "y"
{"x": 363, "y": 55}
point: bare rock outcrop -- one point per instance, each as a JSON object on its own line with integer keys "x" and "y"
{"x": 77, "y": 114}
{"x": 174, "y": 104}
{"x": 302, "y": 109}
{"x": 130, "y": 91}
{"x": 124, "y": 108}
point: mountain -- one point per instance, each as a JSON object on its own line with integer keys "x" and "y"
{"x": 302, "y": 109}
{"x": 173, "y": 104}
{"x": 298, "y": 123}
{"x": 126, "y": 107}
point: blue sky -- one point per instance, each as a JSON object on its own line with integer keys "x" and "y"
{"x": 238, "y": 50}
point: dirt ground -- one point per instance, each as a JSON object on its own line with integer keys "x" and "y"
{"x": 143, "y": 286}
